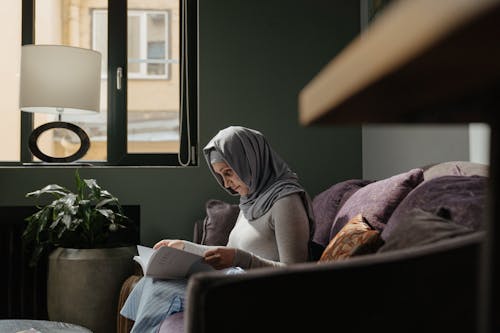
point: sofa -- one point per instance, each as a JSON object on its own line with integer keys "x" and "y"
{"x": 399, "y": 254}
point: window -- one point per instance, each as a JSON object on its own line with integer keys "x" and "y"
{"x": 148, "y": 44}
{"x": 144, "y": 117}
{"x": 150, "y": 31}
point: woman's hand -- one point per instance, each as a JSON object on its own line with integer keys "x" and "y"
{"x": 177, "y": 243}
{"x": 220, "y": 257}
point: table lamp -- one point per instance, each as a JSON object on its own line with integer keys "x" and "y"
{"x": 61, "y": 80}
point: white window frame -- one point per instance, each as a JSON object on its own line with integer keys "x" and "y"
{"x": 143, "y": 47}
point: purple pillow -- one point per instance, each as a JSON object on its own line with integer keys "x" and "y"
{"x": 461, "y": 199}
{"x": 220, "y": 220}
{"x": 377, "y": 201}
{"x": 327, "y": 203}
{"x": 421, "y": 228}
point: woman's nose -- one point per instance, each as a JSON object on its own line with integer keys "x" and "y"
{"x": 226, "y": 182}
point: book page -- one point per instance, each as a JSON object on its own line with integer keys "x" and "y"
{"x": 145, "y": 254}
{"x": 171, "y": 263}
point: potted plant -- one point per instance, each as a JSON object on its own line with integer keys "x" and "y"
{"x": 87, "y": 219}
{"x": 88, "y": 257}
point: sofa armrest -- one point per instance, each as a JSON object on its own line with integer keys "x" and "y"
{"x": 431, "y": 288}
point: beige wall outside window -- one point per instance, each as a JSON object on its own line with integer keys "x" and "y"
{"x": 10, "y": 57}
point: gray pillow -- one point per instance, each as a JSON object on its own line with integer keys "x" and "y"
{"x": 456, "y": 168}
{"x": 220, "y": 220}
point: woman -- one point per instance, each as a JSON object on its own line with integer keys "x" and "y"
{"x": 273, "y": 229}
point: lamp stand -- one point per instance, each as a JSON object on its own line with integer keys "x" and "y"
{"x": 35, "y": 150}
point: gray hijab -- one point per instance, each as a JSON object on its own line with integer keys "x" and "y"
{"x": 268, "y": 177}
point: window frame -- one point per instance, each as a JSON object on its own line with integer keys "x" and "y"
{"x": 117, "y": 154}
{"x": 143, "y": 61}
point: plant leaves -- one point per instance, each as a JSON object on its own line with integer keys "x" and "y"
{"x": 107, "y": 213}
{"x": 106, "y": 194}
{"x": 49, "y": 189}
{"x": 35, "y": 256}
{"x": 85, "y": 219}
{"x": 106, "y": 201}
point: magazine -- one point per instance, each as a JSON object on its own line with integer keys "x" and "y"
{"x": 169, "y": 263}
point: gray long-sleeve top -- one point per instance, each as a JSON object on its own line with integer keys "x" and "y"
{"x": 277, "y": 238}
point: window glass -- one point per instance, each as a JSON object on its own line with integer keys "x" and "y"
{"x": 153, "y": 93}
{"x": 81, "y": 24}
{"x": 100, "y": 36}
{"x": 147, "y": 125}
{"x": 156, "y": 43}
{"x": 133, "y": 43}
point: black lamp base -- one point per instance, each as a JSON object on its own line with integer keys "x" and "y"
{"x": 84, "y": 142}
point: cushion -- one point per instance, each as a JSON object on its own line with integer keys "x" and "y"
{"x": 461, "y": 198}
{"x": 377, "y": 201}
{"x": 173, "y": 324}
{"x": 198, "y": 231}
{"x": 420, "y": 228}
{"x": 356, "y": 237}
{"x": 220, "y": 220}
{"x": 327, "y": 203}
{"x": 456, "y": 168}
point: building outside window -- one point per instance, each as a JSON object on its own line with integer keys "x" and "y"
{"x": 149, "y": 115}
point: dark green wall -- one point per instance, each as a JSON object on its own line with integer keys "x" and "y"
{"x": 255, "y": 56}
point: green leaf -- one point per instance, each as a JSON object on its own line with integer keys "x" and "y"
{"x": 53, "y": 189}
{"x": 106, "y": 201}
{"x": 107, "y": 213}
{"x": 36, "y": 255}
{"x": 91, "y": 184}
{"x": 75, "y": 223}
{"x": 106, "y": 194}
{"x": 80, "y": 185}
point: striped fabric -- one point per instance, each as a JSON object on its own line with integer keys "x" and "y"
{"x": 153, "y": 300}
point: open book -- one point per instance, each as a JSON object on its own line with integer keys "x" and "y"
{"x": 169, "y": 263}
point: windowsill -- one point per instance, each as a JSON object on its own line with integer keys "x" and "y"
{"x": 100, "y": 165}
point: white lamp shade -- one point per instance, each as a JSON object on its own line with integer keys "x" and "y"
{"x": 57, "y": 78}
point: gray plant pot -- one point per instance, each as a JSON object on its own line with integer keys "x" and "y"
{"x": 84, "y": 285}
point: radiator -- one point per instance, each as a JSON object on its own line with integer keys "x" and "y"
{"x": 23, "y": 289}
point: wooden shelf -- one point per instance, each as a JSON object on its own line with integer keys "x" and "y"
{"x": 420, "y": 61}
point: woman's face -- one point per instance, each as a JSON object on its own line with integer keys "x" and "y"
{"x": 230, "y": 178}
